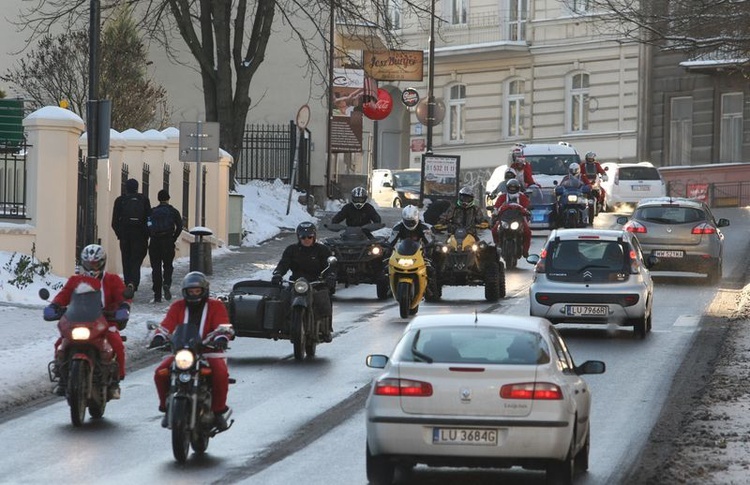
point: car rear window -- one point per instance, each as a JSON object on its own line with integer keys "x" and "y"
{"x": 639, "y": 173}
{"x": 600, "y": 256}
{"x": 669, "y": 215}
{"x": 475, "y": 345}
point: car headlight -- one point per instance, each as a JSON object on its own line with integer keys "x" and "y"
{"x": 80, "y": 333}
{"x": 572, "y": 198}
{"x": 405, "y": 262}
{"x": 515, "y": 225}
{"x": 184, "y": 359}
{"x": 301, "y": 286}
{"x": 411, "y": 195}
{"x": 375, "y": 250}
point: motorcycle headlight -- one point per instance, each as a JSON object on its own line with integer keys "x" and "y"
{"x": 572, "y": 198}
{"x": 444, "y": 249}
{"x": 375, "y": 250}
{"x": 515, "y": 225}
{"x": 405, "y": 262}
{"x": 80, "y": 333}
{"x": 184, "y": 359}
{"x": 301, "y": 286}
{"x": 411, "y": 195}
{"x": 475, "y": 247}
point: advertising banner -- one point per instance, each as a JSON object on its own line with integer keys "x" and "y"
{"x": 394, "y": 65}
{"x": 440, "y": 177}
{"x": 346, "y": 125}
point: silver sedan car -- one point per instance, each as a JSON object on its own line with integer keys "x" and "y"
{"x": 479, "y": 390}
{"x": 682, "y": 233}
{"x": 593, "y": 276}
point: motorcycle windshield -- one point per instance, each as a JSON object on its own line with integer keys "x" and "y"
{"x": 186, "y": 336}
{"x": 84, "y": 306}
{"x": 353, "y": 234}
{"x": 408, "y": 247}
{"x": 512, "y": 214}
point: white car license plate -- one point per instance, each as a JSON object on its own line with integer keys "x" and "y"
{"x": 464, "y": 436}
{"x": 669, "y": 254}
{"x": 586, "y": 310}
{"x": 641, "y": 188}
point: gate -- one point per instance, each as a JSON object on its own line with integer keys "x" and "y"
{"x": 13, "y": 179}
{"x": 268, "y": 153}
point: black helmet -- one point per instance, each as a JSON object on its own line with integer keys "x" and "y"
{"x": 195, "y": 279}
{"x": 359, "y": 197}
{"x": 513, "y": 186}
{"x": 510, "y": 174}
{"x": 93, "y": 260}
{"x": 306, "y": 229}
{"x": 590, "y": 157}
{"x": 465, "y": 197}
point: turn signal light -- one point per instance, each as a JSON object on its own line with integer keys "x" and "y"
{"x": 403, "y": 387}
{"x": 540, "y": 391}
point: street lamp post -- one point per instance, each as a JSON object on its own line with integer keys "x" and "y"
{"x": 431, "y": 80}
{"x": 92, "y": 122}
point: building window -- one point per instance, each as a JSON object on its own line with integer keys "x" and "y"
{"x": 514, "y": 108}
{"x": 579, "y": 6}
{"x": 394, "y": 15}
{"x": 730, "y": 148}
{"x": 578, "y": 103}
{"x": 517, "y": 15}
{"x": 458, "y": 10}
{"x": 680, "y": 130}
{"x": 456, "y": 113}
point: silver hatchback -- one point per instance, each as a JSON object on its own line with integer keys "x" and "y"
{"x": 593, "y": 276}
{"x": 682, "y": 233}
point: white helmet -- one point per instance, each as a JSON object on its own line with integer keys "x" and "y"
{"x": 93, "y": 260}
{"x": 574, "y": 169}
{"x": 410, "y": 217}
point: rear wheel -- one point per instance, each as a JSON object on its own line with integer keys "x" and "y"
{"x": 642, "y": 326}
{"x": 382, "y": 287}
{"x": 180, "y": 414}
{"x": 77, "y": 391}
{"x": 98, "y": 403}
{"x": 714, "y": 273}
{"x": 582, "y": 457}
{"x": 561, "y": 472}
{"x": 298, "y": 332}
{"x": 199, "y": 441}
{"x": 492, "y": 282}
{"x": 404, "y": 299}
{"x": 380, "y": 471}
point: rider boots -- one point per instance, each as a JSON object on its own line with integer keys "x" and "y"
{"x": 221, "y": 420}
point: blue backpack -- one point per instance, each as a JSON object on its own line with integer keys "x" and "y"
{"x": 161, "y": 221}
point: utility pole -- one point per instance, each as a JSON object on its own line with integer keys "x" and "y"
{"x": 431, "y": 81}
{"x": 92, "y": 122}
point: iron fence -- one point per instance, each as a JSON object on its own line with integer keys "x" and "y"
{"x": 268, "y": 153}
{"x": 13, "y": 181}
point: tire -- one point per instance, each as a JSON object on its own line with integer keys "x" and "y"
{"x": 298, "y": 332}
{"x": 397, "y": 202}
{"x": 581, "y": 461}
{"x": 199, "y": 441}
{"x": 560, "y": 472}
{"x": 642, "y": 326}
{"x": 403, "y": 295}
{"x": 310, "y": 346}
{"x": 715, "y": 273}
{"x": 77, "y": 391}
{"x": 380, "y": 471}
{"x": 382, "y": 288}
{"x": 413, "y": 311}
{"x": 180, "y": 414}
{"x": 98, "y": 404}
{"x": 492, "y": 282}
{"x": 509, "y": 253}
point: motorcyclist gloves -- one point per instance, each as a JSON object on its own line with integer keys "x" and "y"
{"x": 220, "y": 343}
{"x": 157, "y": 341}
{"x": 53, "y": 311}
{"x": 122, "y": 315}
{"x": 276, "y": 279}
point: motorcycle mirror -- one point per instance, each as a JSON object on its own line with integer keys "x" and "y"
{"x": 152, "y": 325}
{"x": 332, "y": 260}
{"x": 43, "y": 293}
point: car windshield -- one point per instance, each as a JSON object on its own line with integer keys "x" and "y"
{"x": 577, "y": 255}
{"x": 551, "y": 164}
{"x": 474, "y": 345}
{"x": 669, "y": 215}
{"x": 639, "y": 173}
{"x": 406, "y": 179}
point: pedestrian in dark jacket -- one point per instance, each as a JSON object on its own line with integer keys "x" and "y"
{"x": 129, "y": 216}
{"x": 165, "y": 226}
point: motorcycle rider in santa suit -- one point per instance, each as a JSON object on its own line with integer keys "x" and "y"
{"x": 514, "y": 196}
{"x": 112, "y": 287}
{"x": 208, "y": 314}
{"x": 358, "y": 212}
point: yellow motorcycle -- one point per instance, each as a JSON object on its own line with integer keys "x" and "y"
{"x": 407, "y": 272}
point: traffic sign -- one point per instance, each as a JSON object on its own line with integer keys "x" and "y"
{"x": 199, "y": 141}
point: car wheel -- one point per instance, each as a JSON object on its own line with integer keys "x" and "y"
{"x": 380, "y": 471}
{"x": 582, "y": 457}
{"x": 714, "y": 273}
{"x": 641, "y": 326}
{"x": 397, "y": 202}
{"x": 560, "y": 472}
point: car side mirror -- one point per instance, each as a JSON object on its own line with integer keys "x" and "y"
{"x": 376, "y": 361}
{"x": 722, "y": 222}
{"x": 533, "y": 259}
{"x": 387, "y": 184}
{"x": 622, "y": 220}
{"x": 591, "y": 367}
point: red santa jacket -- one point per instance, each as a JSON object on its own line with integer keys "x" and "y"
{"x": 523, "y": 199}
{"x": 214, "y": 314}
{"x": 111, "y": 286}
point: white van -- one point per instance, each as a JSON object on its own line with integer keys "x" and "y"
{"x": 395, "y": 188}
{"x": 628, "y": 183}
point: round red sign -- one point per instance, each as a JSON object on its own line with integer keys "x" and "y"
{"x": 381, "y": 109}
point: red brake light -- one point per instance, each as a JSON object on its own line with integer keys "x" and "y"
{"x": 539, "y": 268}
{"x": 635, "y": 227}
{"x": 704, "y": 228}
{"x": 541, "y": 391}
{"x": 403, "y": 387}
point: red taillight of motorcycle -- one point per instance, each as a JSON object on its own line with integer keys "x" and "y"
{"x": 704, "y": 228}
{"x": 539, "y": 391}
{"x": 403, "y": 387}
{"x": 635, "y": 227}
{"x": 540, "y": 268}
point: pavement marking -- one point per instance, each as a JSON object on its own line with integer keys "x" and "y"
{"x": 687, "y": 321}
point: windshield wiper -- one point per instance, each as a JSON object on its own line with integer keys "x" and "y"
{"x": 421, "y": 356}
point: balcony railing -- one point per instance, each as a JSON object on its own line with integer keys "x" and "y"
{"x": 481, "y": 27}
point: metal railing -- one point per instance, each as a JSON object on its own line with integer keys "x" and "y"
{"x": 717, "y": 194}
{"x": 13, "y": 181}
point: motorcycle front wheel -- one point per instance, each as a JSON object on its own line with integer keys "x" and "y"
{"x": 179, "y": 413}
{"x": 77, "y": 391}
{"x": 404, "y": 299}
{"x": 298, "y": 332}
{"x": 509, "y": 253}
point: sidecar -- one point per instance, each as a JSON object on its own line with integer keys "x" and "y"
{"x": 259, "y": 309}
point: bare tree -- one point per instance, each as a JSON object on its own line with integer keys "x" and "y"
{"x": 58, "y": 68}
{"x": 228, "y": 40}
{"x": 699, "y": 28}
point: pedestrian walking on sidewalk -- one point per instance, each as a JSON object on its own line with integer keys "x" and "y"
{"x": 165, "y": 226}
{"x": 129, "y": 216}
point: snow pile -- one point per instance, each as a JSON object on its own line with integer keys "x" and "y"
{"x": 21, "y": 287}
